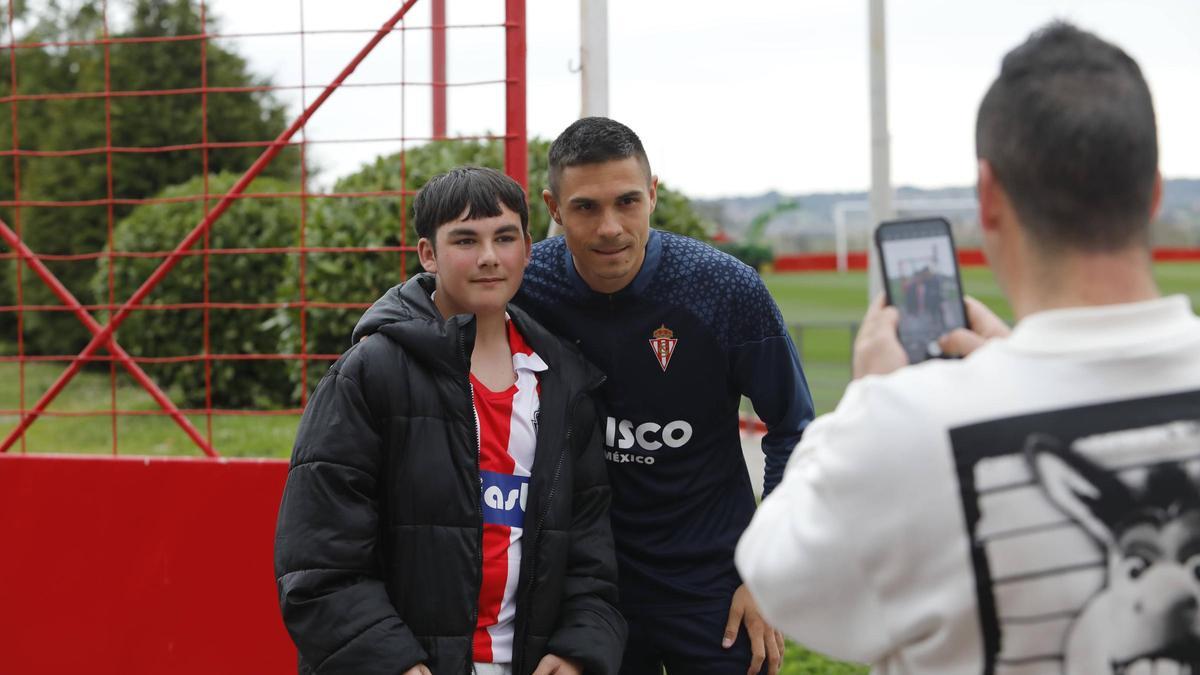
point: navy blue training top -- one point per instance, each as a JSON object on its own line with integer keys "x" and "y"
{"x": 694, "y": 331}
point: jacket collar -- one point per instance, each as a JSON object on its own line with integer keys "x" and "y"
{"x": 1102, "y": 328}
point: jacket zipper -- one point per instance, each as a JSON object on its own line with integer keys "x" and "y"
{"x": 523, "y": 607}
{"x": 470, "y": 665}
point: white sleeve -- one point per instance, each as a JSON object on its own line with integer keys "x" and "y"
{"x": 800, "y": 560}
{"x": 835, "y": 556}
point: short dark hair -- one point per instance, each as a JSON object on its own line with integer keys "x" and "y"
{"x": 593, "y": 140}
{"x": 1068, "y": 128}
{"x": 477, "y": 190}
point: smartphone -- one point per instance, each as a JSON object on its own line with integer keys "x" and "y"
{"x": 920, "y": 276}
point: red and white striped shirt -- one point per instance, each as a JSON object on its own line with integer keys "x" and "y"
{"x": 507, "y": 441}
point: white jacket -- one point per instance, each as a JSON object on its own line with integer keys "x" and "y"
{"x": 1004, "y": 513}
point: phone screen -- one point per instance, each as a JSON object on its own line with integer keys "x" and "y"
{"x": 921, "y": 272}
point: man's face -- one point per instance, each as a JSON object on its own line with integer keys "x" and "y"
{"x": 604, "y": 210}
{"x": 478, "y": 263}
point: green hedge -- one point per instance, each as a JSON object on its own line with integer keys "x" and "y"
{"x": 237, "y": 278}
{"x": 331, "y": 222}
{"x": 754, "y": 255}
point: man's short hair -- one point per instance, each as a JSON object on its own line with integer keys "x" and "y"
{"x": 1068, "y": 128}
{"x": 477, "y": 190}
{"x": 593, "y": 140}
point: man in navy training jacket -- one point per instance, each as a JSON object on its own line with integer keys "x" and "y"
{"x": 682, "y": 331}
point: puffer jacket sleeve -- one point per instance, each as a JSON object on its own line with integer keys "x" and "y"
{"x": 334, "y": 604}
{"x": 591, "y": 630}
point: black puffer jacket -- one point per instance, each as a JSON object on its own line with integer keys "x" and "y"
{"x": 378, "y": 547}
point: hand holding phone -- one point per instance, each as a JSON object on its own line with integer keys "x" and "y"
{"x": 921, "y": 279}
{"x": 984, "y": 326}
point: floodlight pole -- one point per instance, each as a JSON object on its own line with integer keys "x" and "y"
{"x": 881, "y": 169}
{"x": 593, "y": 67}
{"x": 593, "y": 57}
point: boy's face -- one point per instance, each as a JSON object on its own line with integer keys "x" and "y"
{"x": 479, "y": 263}
{"x": 604, "y": 210}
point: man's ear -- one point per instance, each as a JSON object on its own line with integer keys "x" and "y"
{"x": 991, "y": 197}
{"x": 427, "y": 254}
{"x": 552, "y": 204}
{"x": 653, "y": 193}
{"x": 1156, "y": 197}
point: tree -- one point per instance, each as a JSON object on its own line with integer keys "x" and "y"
{"x": 137, "y": 121}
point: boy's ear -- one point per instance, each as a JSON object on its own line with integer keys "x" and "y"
{"x": 427, "y": 255}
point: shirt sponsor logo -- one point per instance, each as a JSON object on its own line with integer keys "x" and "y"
{"x": 627, "y": 458}
{"x": 663, "y": 345}
{"x": 503, "y": 498}
{"x": 649, "y": 436}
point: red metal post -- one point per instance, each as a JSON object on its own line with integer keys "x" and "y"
{"x": 303, "y": 221}
{"x": 108, "y": 154}
{"x": 16, "y": 212}
{"x": 438, "y": 40}
{"x": 105, "y": 335}
{"x": 206, "y": 314}
{"x": 516, "y": 152}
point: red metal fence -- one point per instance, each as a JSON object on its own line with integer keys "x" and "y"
{"x": 103, "y": 344}
{"x": 137, "y": 565}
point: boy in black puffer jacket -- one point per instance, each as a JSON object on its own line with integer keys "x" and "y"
{"x": 446, "y": 510}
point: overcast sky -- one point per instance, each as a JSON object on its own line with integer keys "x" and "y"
{"x": 729, "y": 97}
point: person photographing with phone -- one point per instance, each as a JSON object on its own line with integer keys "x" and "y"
{"x": 1033, "y": 506}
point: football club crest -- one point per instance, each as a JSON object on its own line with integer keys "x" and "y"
{"x": 663, "y": 344}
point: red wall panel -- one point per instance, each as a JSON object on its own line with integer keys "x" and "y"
{"x": 855, "y": 260}
{"x": 139, "y": 565}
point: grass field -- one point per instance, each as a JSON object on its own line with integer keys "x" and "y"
{"x": 70, "y": 431}
{"x": 822, "y": 308}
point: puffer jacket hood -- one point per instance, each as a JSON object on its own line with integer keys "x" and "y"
{"x": 409, "y": 301}
{"x": 406, "y": 314}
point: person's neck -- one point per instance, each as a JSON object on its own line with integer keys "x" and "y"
{"x": 1069, "y": 279}
{"x": 489, "y": 329}
{"x": 491, "y": 360}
